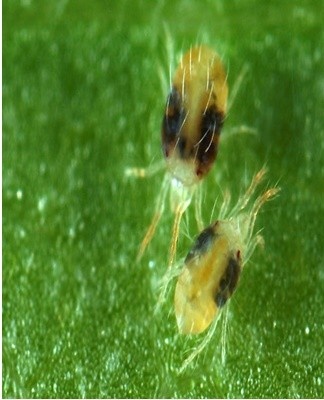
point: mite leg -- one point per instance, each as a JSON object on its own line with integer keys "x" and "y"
{"x": 266, "y": 196}
{"x": 175, "y": 233}
{"x": 180, "y": 199}
{"x": 170, "y": 274}
{"x": 145, "y": 172}
{"x": 241, "y": 129}
{"x": 159, "y": 207}
{"x": 246, "y": 197}
{"x": 198, "y": 203}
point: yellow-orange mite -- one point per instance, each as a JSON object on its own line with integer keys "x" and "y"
{"x": 212, "y": 270}
{"x": 194, "y": 115}
{"x": 214, "y": 264}
{"x": 192, "y": 121}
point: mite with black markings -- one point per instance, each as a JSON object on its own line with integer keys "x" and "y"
{"x": 211, "y": 273}
{"x": 214, "y": 264}
{"x": 194, "y": 115}
{"x": 191, "y": 125}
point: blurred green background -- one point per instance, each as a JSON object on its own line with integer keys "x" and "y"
{"x": 83, "y": 100}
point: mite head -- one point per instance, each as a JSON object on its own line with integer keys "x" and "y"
{"x": 194, "y": 115}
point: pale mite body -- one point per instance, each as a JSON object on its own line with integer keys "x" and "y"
{"x": 214, "y": 264}
{"x": 191, "y": 126}
{"x": 211, "y": 273}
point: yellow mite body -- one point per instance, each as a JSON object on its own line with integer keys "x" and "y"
{"x": 194, "y": 115}
{"x": 209, "y": 277}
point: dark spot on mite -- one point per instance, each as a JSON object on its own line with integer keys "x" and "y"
{"x": 229, "y": 281}
{"x": 222, "y": 284}
{"x": 210, "y": 129}
{"x": 221, "y": 300}
{"x": 172, "y": 120}
{"x": 202, "y": 243}
{"x": 182, "y": 146}
{"x": 212, "y": 121}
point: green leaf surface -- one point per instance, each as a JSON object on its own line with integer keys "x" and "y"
{"x": 82, "y": 101}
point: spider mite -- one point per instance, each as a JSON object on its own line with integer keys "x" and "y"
{"x": 214, "y": 264}
{"x": 191, "y": 125}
